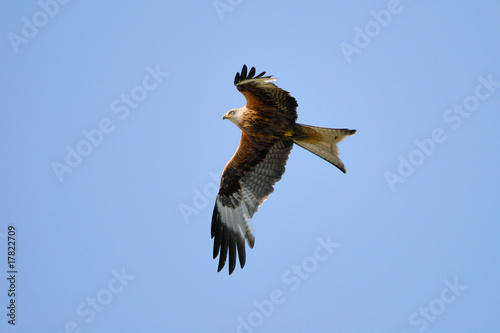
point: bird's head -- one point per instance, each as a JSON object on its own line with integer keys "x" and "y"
{"x": 229, "y": 114}
{"x": 233, "y": 116}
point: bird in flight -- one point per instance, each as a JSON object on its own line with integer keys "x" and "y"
{"x": 268, "y": 131}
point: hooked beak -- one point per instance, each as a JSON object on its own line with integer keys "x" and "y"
{"x": 225, "y": 116}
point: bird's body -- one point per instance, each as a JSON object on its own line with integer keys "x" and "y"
{"x": 268, "y": 131}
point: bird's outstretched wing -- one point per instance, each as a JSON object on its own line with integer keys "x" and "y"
{"x": 247, "y": 181}
{"x": 262, "y": 94}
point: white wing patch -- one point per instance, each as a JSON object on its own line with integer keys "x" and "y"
{"x": 238, "y": 220}
{"x": 261, "y": 81}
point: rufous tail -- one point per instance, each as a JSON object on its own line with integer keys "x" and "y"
{"x": 322, "y": 142}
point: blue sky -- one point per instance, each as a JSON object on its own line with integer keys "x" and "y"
{"x": 112, "y": 145}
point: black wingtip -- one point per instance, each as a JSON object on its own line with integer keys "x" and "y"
{"x": 252, "y": 72}
{"x": 246, "y": 75}
{"x": 237, "y": 78}
{"x": 216, "y": 232}
{"x": 260, "y": 75}
{"x": 241, "y": 252}
{"x": 223, "y": 251}
{"x": 232, "y": 253}
{"x": 244, "y": 71}
{"x": 228, "y": 244}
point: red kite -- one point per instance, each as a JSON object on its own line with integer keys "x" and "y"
{"x": 268, "y": 132}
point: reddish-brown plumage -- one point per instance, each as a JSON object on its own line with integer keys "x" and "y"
{"x": 269, "y": 130}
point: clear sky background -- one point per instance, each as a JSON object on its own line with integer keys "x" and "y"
{"x": 112, "y": 145}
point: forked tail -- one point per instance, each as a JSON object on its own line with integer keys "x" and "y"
{"x": 322, "y": 142}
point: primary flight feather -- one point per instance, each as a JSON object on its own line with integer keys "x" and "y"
{"x": 268, "y": 131}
